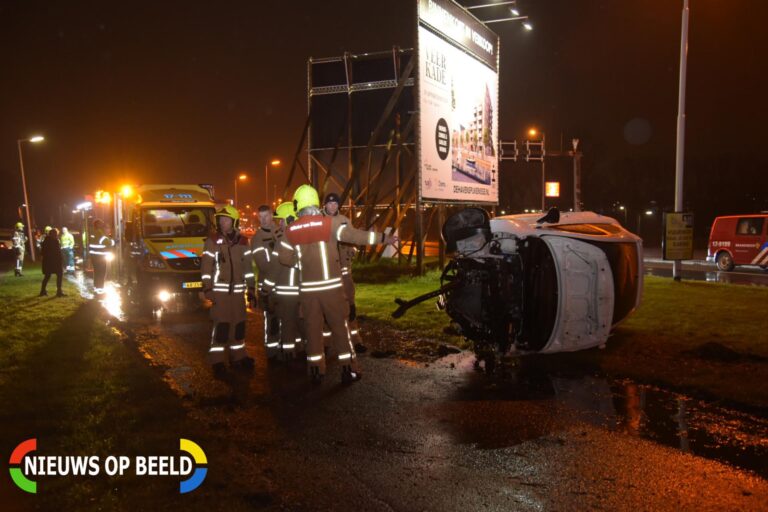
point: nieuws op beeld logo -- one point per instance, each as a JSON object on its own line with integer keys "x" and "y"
{"x": 25, "y": 465}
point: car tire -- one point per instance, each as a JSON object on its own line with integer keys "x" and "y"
{"x": 724, "y": 261}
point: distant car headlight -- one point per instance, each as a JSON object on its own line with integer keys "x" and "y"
{"x": 164, "y": 296}
{"x": 109, "y": 256}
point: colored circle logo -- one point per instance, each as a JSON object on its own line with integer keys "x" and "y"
{"x": 21, "y": 481}
{"x": 199, "y": 474}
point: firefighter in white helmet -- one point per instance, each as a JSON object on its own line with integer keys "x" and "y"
{"x": 262, "y": 247}
{"x": 346, "y": 255}
{"x": 227, "y": 272}
{"x": 311, "y": 242}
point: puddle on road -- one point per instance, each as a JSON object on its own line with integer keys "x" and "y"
{"x": 690, "y": 425}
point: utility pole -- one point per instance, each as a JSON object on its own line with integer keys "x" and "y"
{"x": 679, "y": 160}
{"x": 576, "y": 175}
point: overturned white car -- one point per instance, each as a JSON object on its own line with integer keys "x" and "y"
{"x": 532, "y": 284}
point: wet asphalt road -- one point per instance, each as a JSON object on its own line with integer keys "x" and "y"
{"x": 437, "y": 434}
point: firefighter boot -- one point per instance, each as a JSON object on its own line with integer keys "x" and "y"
{"x": 315, "y": 376}
{"x": 348, "y": 376}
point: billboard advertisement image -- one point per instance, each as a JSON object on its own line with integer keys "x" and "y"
{"x": 458, "y": 105}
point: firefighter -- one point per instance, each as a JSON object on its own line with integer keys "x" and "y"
{"x": 68, "y": 250}
{"x": 286, "y": 292}
{"x": 100, "y": 248}
{"x": 227, "y": 273}
{"x": 346, "y": 255}
{"x": 19, "y": 246}
{"x": 311, "y": 242}
{"x": 262, "y": 247}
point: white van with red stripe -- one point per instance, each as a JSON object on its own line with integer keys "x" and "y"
{"x": 739, "y": 240}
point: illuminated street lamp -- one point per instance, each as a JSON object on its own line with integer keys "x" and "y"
{"x": 242, "y": 177}
{"x": 272, "y": 163}
{"x": 534, "y": 133}
{"x": 34, "y": 139}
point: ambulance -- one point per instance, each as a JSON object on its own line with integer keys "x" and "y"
{"x": 739, "y": 240}
{"x": 165, "y": 229}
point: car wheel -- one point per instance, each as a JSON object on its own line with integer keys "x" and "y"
{"x": 725, "y": 261}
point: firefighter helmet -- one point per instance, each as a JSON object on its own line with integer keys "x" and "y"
{"x": 231, "y": 212}
{"x": 286, "y": 212}
{"x": 47, "y": 229}
{"x": 19, "y": 225}
{"x": 305, "y": 196}
{"x": 332, "y": 197}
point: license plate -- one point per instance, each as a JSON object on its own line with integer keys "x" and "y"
{"x": 195, "y": 284}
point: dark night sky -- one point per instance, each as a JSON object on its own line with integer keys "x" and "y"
{"x": 197, "y": 91}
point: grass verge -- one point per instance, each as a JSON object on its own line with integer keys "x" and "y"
{"x": 72, "y": 382}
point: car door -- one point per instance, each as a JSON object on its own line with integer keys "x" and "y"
{"x": 749, "y": 234}
{"x": 762, "y": 253}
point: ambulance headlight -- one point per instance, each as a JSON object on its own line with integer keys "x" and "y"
{"x": 164, "y": 296}
{"x": 155, "y": 262}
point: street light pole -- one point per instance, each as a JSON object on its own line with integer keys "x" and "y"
{"x": 35, "y": 139}
{"x": 273, "y": 163}
{"x": 543, "y": 176}
{"x": 677, "y": 265}
{"x": 242, "y": 177}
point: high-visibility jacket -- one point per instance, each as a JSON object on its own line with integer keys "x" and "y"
{"x": 67, "y": 241}
{"x": 312, "y": 243}
{"x": 262, "y": 247}
{"x": 346, "y": 251}
{"x": 227, "y": 264}
{"x": 286, "y": 277}
{"x": 100, "y": 244}
{"x": 19, "y": 239}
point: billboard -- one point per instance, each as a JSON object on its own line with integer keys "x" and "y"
{"x": 458, "y": 105}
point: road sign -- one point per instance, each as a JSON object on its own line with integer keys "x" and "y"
{"x": 677, "y": 242}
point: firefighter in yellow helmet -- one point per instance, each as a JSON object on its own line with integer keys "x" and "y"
{"x": 262, "y": 247}
{"x": 19, "y": 246}
{"x": 227, "y": 273}
{"x": 312, "y": 243}
{"x": 286, "y": 291}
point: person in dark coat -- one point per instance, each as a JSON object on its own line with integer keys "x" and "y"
{"x": 52, "y": 262}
